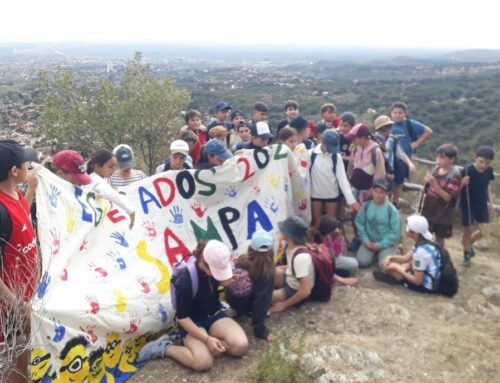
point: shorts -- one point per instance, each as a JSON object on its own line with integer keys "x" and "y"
{"x": 327, "y": 200}
{"x": 205, "y": 323}
{"x": 478, "y": 215}
{"x": 401, "y": 172}
{"x": 414, "y": 287}
{"x": 442, "y": 231}
{"x": 287, "y": 290}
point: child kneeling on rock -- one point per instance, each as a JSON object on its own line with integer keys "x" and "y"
{"x": 206, "y": 330}
{"x": 252, "y": 288}
{"x": 420, "y": 269}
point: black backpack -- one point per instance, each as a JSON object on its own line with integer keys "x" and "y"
{"x": 334, "y": 160}
{"x": 448, "y": 281}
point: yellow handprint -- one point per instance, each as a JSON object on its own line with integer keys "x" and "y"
{"x": 164, "y": 284}
{"x": 121, "y": 301}
{"x": 274, "y": 180}
{"x": 105, "y": 208}
{"x": 70, "y": 220}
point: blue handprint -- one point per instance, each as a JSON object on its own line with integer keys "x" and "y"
{"x": 115, "y": 256}
{"x": 176, "y": 213}
{"x": 121, "y": 263}
{"x": 42, "y": 287}
{"x": 59, "y": 331}
{"x": 285, "y": 184}
{"x": 231, "y": 191}
{"x": 163, "y": 313}
{"x": 119, "y": 238}
{"x": 54, "y": 193}
{"x": 271, "y": 204}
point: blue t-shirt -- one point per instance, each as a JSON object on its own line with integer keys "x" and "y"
{"x": 426, "y": 258}
{"x": 401, "y": 131}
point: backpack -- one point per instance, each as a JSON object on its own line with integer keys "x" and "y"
{"x": 389, "y": 167}
{"x": 188, "y": 266}
{"x": 448, "y": 280}
{"x": 5, "y": 228}
{"x": 324, "y": 269}
{"x": 334, "y": 160}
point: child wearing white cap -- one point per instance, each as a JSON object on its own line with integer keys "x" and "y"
{"x": 206, "y": 330}
{"x": 420, "y": 268}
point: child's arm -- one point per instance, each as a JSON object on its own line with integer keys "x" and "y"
{"x": 400, "y": 270}
{"x": 302, "y": 293}
{"x": 424, "y": 137}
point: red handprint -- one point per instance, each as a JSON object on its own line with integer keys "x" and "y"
{"x": 134, "y": 325}
{"x": 56, "y": 241}
{"x": 303, "y": 163}
{"x": 83, "y": 246}
{"x": 103, "y": 273}
{"x": 198, "y": 208}
{"x": 150, "y": 228}
{"x": 64, "y": 275}
{"x": 144, "y": 285}
{"x": 303, "y": 204}
{"x": 89, "y": 330}
{"x": 94, "y": 304}
{"x": 255, "y": 187}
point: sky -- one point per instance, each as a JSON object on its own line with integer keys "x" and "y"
{"x": 351, "y": 23}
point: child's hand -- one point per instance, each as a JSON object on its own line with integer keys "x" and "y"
{"x": 491, "y": 210}
{"x": 412, "y": 168}
{"x": 429, "y": 179}
{"x": 414, "y": 145}
{"x": 465, "y": 181}
{"x": 355, "y": 206}
{"x": 215, "y": 345}
{"x": 277, "y": 307}
{"x": 385, "y": 262}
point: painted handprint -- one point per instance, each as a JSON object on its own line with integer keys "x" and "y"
{"x": 303, "y": 204}
{"x": 54, "y": 195}
{"x": 231, "y": 191}
{"x": 99, "y": 270}
{"x": 150, "y": 228}
{"x": 64, "y": 275}
{"x": 176, "y": 213}
{"x": 198, "y": 208}
{"x": 56, "y": 241}
{"x": 133, "y": 324}
{"x": 271, "y": 204}
{"x": 70, "y": 220}
{"x": 163, "y": 313}
{"x": 303, "y": 164}
{"x": 144, "y": 285}
{"x": 285, "y": 184}
{"x": 94, "y": 304}
{"x": 42, "y": 287}
{"x": 89, "y": 332}
{"x": 119, "y": 238}
{"x": 116, "y": 257}
{"x": 59, "y": 331}
{"x": 83, "y": 245}
{"x": 273, "y": 179}
{"x": 121, "y": 301}
{"x": 255, "y": 187}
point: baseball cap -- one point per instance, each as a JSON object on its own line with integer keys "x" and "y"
{"x": 261, "y": 241}
{"x": 221, "y": 105}
{"x": 261, "y": 129}
{"x": 12, "y": 154}
{"x": 358, "y": 130}
{"x": 124, "y": 156}
{"x": 381, "y": 183}
{"x": 331, "y": 139}
{"x": 72, "y": 162}
{"x": 216, "y": 148}
{"x": 236, "y": 113}
{"x": 382, "y": 121}
{"x": 179, "y": 146}
{"x": 218, "y": 257}
{"x": 418, "y": 224}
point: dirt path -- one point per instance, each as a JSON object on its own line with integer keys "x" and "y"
{"x": 381, "y": 333}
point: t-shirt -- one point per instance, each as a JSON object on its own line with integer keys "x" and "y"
{"x": 399, "y": 129}
{"x": 346, "y": 148}
{"x": 119, "y": 182}
{"x": 303, "y": 267}
{"x": 426, "y": 259}
{"x": 436, "y": 209}
{"x": 478, "y": 187}
{"x": 205, "y": 303}
{"x": 100, "y": 186}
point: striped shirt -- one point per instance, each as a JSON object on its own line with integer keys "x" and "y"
{"x": 119, "y": 182}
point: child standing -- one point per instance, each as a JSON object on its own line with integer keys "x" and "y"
{"x": 291, "y": 110}
{"x": 347, "y": 121}
{"x": 289, "y": 137}
{"x": 252, "y": 287}
{"x": 206, "y": 330}
{"x": 441, "y": 192}
{"x": 476, "y": 203}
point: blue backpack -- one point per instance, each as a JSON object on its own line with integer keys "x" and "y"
{"x": 185, "y": 265}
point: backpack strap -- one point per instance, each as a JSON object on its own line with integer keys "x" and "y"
{"x": 302, "y": 249}
{"x": 410, "y": 130}
{"x": 5, "y": 227}
{"x": 313, "y": 158}
{"x": 334, "y": 161}
{"x": 193, "y": 275}
{"x": 426, "y": 244}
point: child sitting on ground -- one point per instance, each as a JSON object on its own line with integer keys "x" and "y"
{"x": 476, "y": 202}
{"x": 252, "y": 287}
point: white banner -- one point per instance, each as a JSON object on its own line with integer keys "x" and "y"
{"x": 105, "y": 289}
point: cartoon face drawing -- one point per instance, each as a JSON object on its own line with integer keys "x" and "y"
{"x": 96, "y": 363}
{"x": 113, "y": 350}
{"x": 74, "y": 361}
{"x": 41, "y": 364}
{"x": 128, "y": 357}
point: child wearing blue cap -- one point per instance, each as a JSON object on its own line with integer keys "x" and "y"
{"x": 252, "y": 288}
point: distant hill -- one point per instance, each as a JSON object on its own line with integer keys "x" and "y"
{"x": 481, "y": 55}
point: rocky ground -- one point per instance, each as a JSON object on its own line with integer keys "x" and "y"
{"x": 380, "y": 333}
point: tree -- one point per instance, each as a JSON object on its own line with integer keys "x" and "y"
{"x": 92, "y": 113}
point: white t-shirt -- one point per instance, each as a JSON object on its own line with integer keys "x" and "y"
{"x": 325, "y": 183}
{"x": 100, "y": 186}
{"x": 303, "y": 267}
{"x": 426, "y": 259}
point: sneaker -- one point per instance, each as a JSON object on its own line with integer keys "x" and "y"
{"x": 472, "y": 252}
{"x": 154, "y": 349}
{"x": 384, "y": 277}
{"x": 466, "y": 262}
{"x": 354, "y": 245}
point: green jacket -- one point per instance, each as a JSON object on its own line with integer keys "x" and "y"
{"x": 379, "y": 224}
